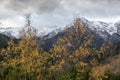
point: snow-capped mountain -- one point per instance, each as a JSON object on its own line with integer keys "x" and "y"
{"x": 10, "y": 31}
{"x": 107, "y": 31}
{"x": 103, "y": 29}
{"x": 100, "y": 26}
{"x": 102, "y": 32}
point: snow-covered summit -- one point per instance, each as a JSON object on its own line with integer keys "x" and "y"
{"x": 10, "y": 31}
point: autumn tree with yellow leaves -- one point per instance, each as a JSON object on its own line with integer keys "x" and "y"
{"x": 27, "y": 54}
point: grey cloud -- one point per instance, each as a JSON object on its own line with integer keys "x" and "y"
{"x": 34, "y": 5}
{"x": 85, "y": 7}
{"x": 60, "y": 11}
{"x": 94, "y": 7}
{"x": 1, "y": 1}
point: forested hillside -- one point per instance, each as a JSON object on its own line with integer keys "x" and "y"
{"x": 74, "y": 56}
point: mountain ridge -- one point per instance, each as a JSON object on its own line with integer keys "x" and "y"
{"x": 107, "y": 31}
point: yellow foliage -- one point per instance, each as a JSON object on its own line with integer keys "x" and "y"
{"x": 98, "y": 73}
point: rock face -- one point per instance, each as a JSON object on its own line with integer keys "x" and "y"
{"x": 118, "y": 27}
{"x": 115, "y": 38}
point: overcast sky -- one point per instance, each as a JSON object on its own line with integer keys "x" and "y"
{"x": 47, "y": 14}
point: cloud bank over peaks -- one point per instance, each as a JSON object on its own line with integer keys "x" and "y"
{"x": 47, "y": 13}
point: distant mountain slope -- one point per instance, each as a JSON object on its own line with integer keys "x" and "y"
{"x": 3, "y": 41}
